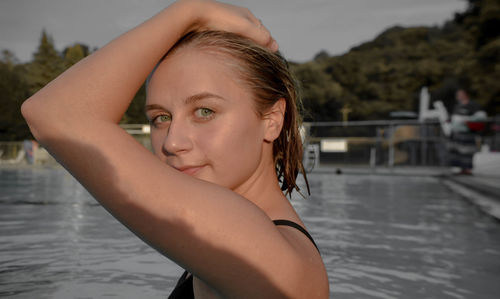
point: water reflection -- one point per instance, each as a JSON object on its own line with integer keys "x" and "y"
{"x": 57, "y": 242}
{"x": 380, "y": 237}
{"x": 401, "y": 237}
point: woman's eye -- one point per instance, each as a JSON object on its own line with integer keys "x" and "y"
{"x": 161, "y": 119}
{"x": 204, "y": 112}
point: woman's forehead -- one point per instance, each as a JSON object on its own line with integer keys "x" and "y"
{"x": 195, "y": 63}
{"x": 189, "y": 72}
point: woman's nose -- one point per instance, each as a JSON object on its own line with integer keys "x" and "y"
{"x": 177, "y": 140}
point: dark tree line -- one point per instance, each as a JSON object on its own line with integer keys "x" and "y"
{"x": 18, "y": 81}
{"x": 387, "y": 73}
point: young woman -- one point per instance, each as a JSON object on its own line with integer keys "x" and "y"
{"x": 224, "y": 124}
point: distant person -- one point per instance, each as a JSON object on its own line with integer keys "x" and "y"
{"x": 30, "y": 147}
{"x": 225, "y": 135}
{"x": 463, "y": 143}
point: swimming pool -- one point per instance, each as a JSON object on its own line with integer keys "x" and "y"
{"x": 380, "y": 236}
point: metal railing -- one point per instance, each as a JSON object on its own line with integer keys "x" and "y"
{"x": 9, "y": 149}
{"x": 387, "y": 142}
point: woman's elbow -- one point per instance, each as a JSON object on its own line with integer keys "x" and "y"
{"x": 27, "y": 112}
{"x": 34, "y": 117}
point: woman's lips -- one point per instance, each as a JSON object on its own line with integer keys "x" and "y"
{"x": 189, "y": 170}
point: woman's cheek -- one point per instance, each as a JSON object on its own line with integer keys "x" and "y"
{"x": 157, "y": 145}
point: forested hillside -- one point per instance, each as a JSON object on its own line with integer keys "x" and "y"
{"x": 371, "y": 80}
{"x": 386, "y": 74}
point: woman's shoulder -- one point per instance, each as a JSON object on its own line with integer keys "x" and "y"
{"x": 296, "y": 233}
{"x": 314, "y": 280}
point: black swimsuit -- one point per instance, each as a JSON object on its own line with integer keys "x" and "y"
{"x": 184, "y": 287}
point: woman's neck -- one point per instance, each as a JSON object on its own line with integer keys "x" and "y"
{"x": 262, "y": 188}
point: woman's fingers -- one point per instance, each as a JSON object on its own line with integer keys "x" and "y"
{"x": 269, "y": 41}
{"x": 259, "y": 33}
{"x": 263, "y": 36}
{"x": 239, "y": 20}
{"x": 274, "y": 46}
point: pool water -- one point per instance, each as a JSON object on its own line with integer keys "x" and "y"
{"x": 380, "y": 237}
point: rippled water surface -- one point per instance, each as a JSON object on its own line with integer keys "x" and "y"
{"x": 380, "y": 237}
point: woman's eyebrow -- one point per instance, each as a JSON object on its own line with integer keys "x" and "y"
{"x": 154, "y": 106}
{"x": 200, "y": 96}
{"x": 187, "y": 101}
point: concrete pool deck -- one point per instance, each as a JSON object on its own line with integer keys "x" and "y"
{"x": 483, "y": 187}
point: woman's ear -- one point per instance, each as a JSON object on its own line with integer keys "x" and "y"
{"x": 274, "y": 119}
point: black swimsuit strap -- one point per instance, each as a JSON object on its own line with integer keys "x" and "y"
{"x": 296, "y": 226}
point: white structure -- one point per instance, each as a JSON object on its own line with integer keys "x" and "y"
{"x": 439, "y": 112}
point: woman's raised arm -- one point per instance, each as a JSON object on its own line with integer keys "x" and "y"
{"x": 100, "y": 87}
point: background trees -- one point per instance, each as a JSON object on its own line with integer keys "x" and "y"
{"x": 18, "y": 81}
{"x": 14, "y": 89}
{"x": 47, "y": 64}
{"x": 387, "y": 73}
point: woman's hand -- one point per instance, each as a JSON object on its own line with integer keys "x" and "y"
{"x": 213, "y": 15}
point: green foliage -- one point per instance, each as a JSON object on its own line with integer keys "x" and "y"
{"x": 14, "y": 90}
{"x": 320, "y": 94}
{"x": 73, "y": 54}
{"x": 9, "y": 59}
{"x": 387, "y": 73}
{"x": 47, "y": 64}
{"x": 135, "y": 113}
{"x": 19, "y": 81}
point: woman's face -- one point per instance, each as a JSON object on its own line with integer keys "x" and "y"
{"x": 203, "y": 122}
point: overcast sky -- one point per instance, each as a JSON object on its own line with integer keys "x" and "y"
{"x": 301, "y": 27}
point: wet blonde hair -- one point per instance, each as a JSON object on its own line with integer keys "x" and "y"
{"x": 268, "y": 77}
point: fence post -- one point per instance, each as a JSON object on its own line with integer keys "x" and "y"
{"x": 373, "y": 157}
{"x": 391, "y": 145}
{"x": 423, "y": 149}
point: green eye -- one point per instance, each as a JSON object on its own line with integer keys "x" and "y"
{"x": 204, "y": 112}
{"x": 164, "y": 118}
{"x": 161, "y": 119}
